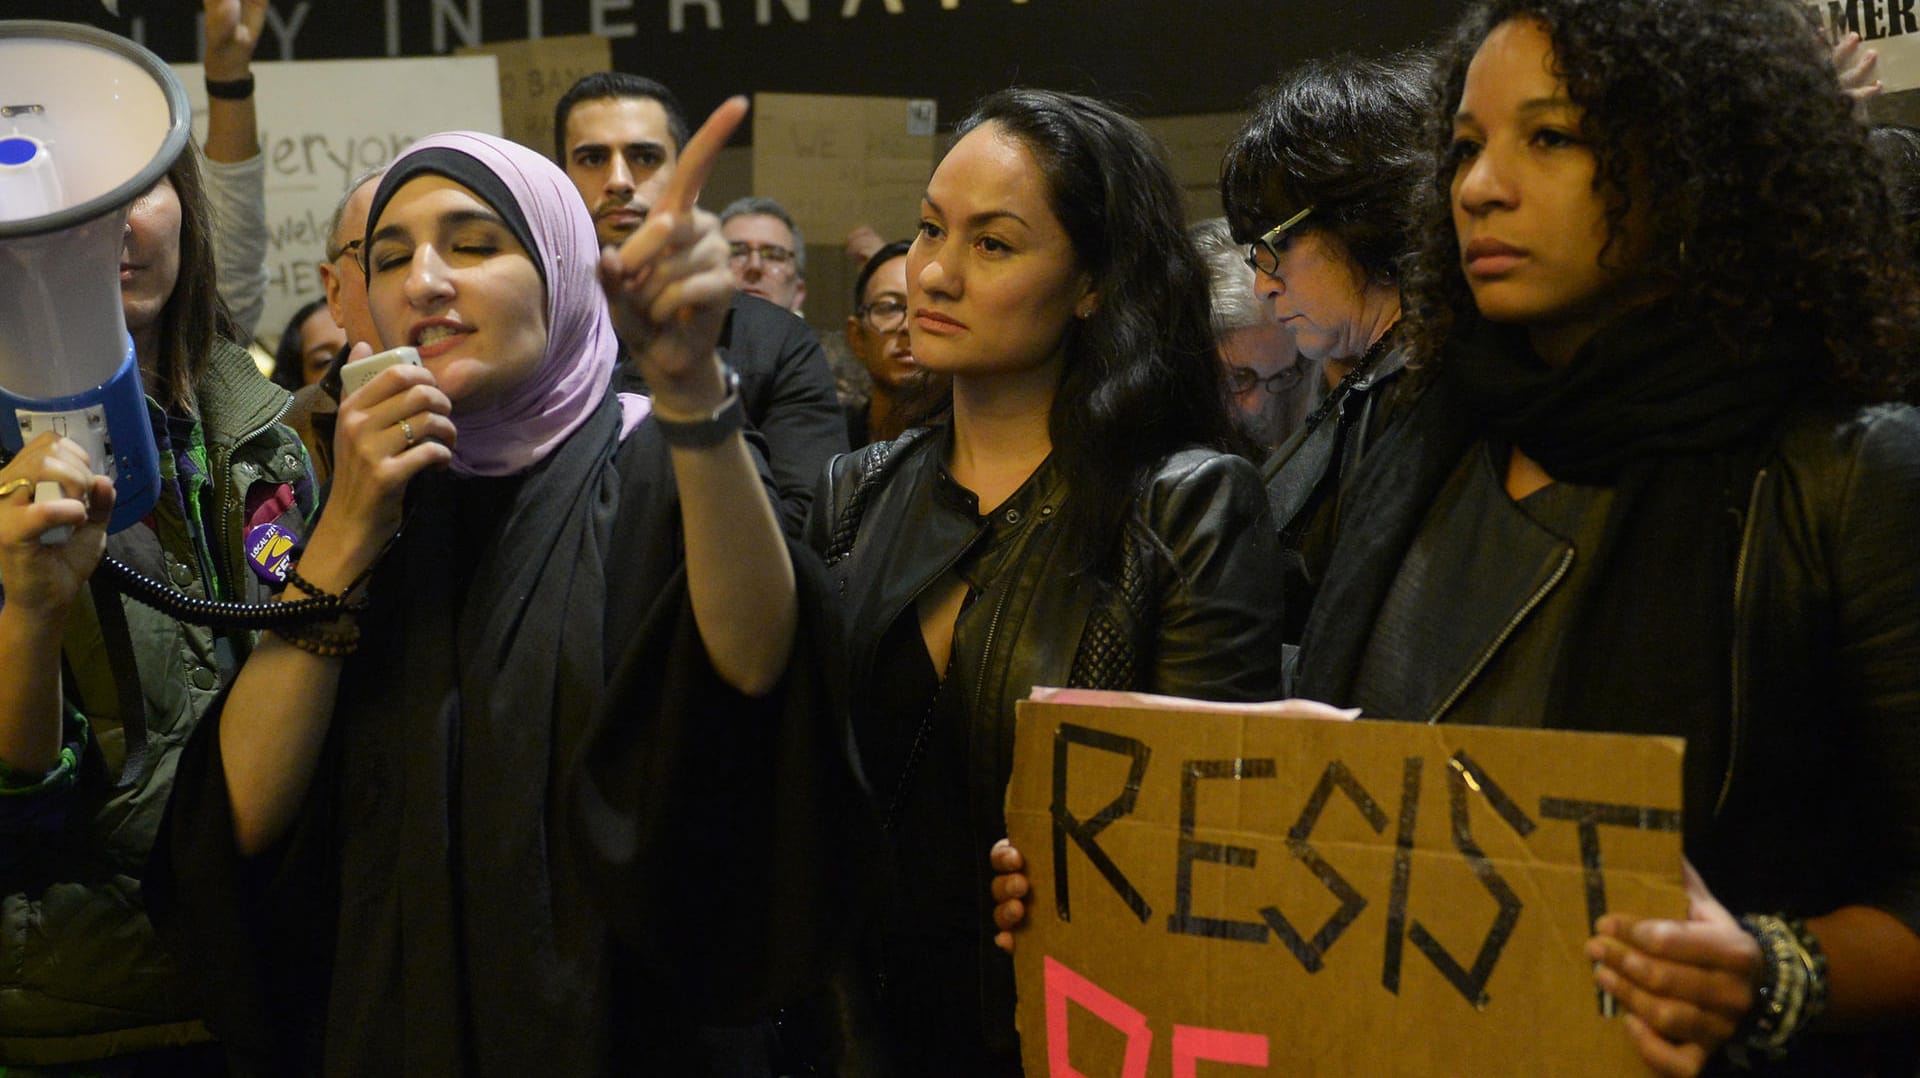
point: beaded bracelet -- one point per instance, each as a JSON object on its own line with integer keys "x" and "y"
{"x": 342, "y": 604}
{"x": 1792, "y": 993}
{"x": 326, "y": 641}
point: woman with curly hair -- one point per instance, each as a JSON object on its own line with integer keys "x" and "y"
{"x": 1078, "y": 521}
{"x": 1659, "y": 484}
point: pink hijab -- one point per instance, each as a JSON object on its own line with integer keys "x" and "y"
{"x": 545, "y": 212}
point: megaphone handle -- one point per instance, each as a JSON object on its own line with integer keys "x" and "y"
{"x": 45, "y": 491}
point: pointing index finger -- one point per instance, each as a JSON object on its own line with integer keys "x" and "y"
{"x": 701, "y": 152}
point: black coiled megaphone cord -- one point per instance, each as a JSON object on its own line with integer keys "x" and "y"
{"x": 212, "y": 613}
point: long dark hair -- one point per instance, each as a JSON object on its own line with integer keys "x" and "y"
{"x": 1763, "y": 199}
{"x": 195, "y": 314}
{"x": 1140, "y": 379}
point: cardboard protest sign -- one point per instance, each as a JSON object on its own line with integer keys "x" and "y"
{"x": 1304, "y": 897}
{"x": 836, "y": 162}
{"x": 533, "y": 75}
{"x": 1889, "y": 27}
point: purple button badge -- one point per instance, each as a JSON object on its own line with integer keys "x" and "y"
{"x": 269, "y": 552}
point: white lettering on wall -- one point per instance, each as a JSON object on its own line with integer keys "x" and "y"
{"x": 852, "y": 7}
{"x": 796, "y": 10}
{"x": 533, "y": 20}
{"x": 445, "y": 15}
{"x": 597, "y": 18}
{"x": 287, "y": 29}
{"x": 677, "y": 14}
{"x": 393, "y": 27}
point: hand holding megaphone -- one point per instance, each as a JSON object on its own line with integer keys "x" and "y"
{"x": 39, "y": 575}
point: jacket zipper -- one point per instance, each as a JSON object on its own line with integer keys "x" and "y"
{"x": 986, "y": 646}
{"x": 227, "y": 501}
{"x": 1739, "y": 595}
{"x": 1486, "y": 656}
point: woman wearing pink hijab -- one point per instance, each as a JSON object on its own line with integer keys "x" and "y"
{"x": 566, "y": 665}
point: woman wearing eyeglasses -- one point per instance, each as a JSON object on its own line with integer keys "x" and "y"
{"x": 1078, "y": 521}
{"x": 1271, "y": 384}
{"x": 1317, "y": 185}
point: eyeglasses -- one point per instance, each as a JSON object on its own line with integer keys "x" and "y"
{"x": 773, "y": 257}
{"x": 351, "y": 247}
{"x": 1263, "y": 254}
{"x": 1243, "y": 379}
{"x": 884, "y": 315}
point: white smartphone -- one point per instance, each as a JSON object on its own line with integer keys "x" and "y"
{"x": 355, "y": 374}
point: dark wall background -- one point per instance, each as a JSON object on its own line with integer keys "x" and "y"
{"x": 1156, "y": 57}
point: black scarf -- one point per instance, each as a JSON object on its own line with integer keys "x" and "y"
{"x": 1651, "y": 407}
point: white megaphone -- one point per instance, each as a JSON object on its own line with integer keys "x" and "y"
{"x": 88, "y": 122}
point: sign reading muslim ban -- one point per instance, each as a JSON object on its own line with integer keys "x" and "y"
{"x": 1302, "y": 897}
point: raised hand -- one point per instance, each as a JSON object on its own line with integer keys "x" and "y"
{"x": 668, "y": 285}
{"x": 233, "y": 33}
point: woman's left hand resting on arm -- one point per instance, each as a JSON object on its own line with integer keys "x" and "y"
{"x": 669, "y": 290}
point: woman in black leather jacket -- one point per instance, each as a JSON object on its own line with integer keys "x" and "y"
{"x": 1078, "y": 522}
{"x": 1663, "y": 316}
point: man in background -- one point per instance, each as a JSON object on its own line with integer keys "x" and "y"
{"x": 619, "y": 136}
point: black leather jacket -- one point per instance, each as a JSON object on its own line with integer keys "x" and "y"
{"x": 1817, "y": 803}
{"x": 1197, "y": 615}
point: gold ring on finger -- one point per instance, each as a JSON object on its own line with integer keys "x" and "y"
{"x": 12, "y": 485}
{"x": 406, "y": 431}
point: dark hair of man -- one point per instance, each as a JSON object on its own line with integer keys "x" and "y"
{"x": 1344, "y": 135}
{"x": 602, "y": 85}
{"x": 1771, "y": 219}
{"x": 1140, "y": 379}
{"x": 195, "y": 314}
{"x": 896, "y": 249}
{"x": 290, "y": 357}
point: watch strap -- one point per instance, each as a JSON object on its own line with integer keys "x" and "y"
{"x": 231, "y": 89}
{"x": 727, "y": 417}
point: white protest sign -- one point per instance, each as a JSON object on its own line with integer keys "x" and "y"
{"x": 322, "y": 122}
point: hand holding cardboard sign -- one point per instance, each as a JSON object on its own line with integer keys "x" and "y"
{"x": 1686, "y": 985}
{"x": 1010, "y": 885}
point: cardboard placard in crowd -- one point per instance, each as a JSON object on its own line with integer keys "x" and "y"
{"x": 836, "y": 162}
{"x": 533, "y": 75}
{"x": 1307, "y": 897}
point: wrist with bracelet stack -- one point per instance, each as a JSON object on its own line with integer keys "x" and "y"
{"x": 1791, "y": 993}
{"x": 329, "y": 640}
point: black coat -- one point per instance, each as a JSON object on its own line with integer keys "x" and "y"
{"x": 1198, "y": 614}
{"x": 543, "y": 835}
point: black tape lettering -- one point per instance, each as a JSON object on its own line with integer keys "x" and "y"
{"x": 1312, "y": 953}
{"x": 1590, "y": 815}
{"x": 1182, "y": 920}
{"x": 1084, "y": 834}
{"x": 1472, "y": 983}
{"x": 1402, "y": 872}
